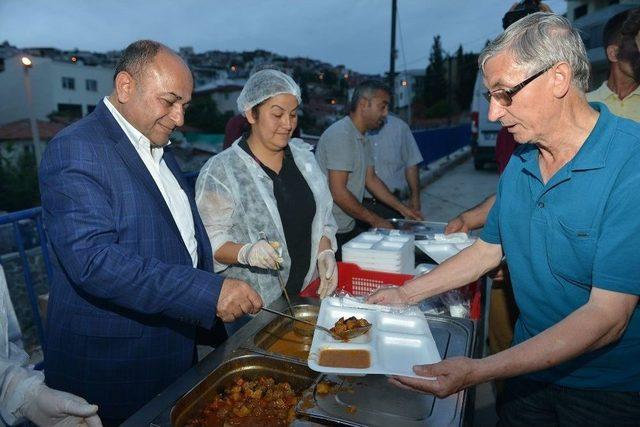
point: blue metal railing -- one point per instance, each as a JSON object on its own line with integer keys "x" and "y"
{"x": 15, "y": 218}
{"x": 437, "y": 143}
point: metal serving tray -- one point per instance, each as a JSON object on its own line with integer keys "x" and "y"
{"x": 378, "y": 403}
{"x": 248, "y": 366}
{"x": 271, "y": 338}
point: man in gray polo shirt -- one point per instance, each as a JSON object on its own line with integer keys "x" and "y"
{"x": 346, "y": 158}
{"x": 396, "y": 158}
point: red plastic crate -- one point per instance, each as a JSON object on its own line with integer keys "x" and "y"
{"x": 356, "y": 281}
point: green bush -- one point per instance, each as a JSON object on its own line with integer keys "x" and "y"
{"x": 19, "y": 183}
{"x": 439, "y": 109}
{"x": 203, "y": 114}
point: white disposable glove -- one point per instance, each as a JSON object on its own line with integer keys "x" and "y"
{"x": 328, "y": 272}
{"x": 47, "y": 407}
{"x": 261, "y": 254}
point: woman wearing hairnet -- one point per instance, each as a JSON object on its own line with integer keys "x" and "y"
{"x": 269, "y": 185}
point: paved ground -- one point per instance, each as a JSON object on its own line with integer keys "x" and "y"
{"x": 461, "y": 188}
{"x": 458, "y": 189}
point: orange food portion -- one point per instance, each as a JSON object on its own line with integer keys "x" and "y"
{"x": 326, "y": 387}
{"x": 358, "y": 359}
{"x": 262, "y": 402}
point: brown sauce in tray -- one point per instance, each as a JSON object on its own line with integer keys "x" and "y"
{"x": 357, "y": 359}
{"x": 291, "y": 344}
{"x": 304, "y": 329}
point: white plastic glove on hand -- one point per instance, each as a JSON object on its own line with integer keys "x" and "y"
{"x": 261, "y": 254}
{"x": 328, "y": 272}
{"x": 48, "y": 407}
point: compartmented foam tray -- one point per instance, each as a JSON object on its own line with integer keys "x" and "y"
{"x": 392, "y": 253}
{"x": 394, "y": 343}
{"x": 440, "y": 251}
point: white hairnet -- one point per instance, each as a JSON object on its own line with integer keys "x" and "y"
{"x": 264, "y": 85}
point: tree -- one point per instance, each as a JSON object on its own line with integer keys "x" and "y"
{"x": 19, "y": 182}
{"x": 203, "y": 114}
{"x": 435, "y": 87}
{"x": 467, "y": 66}
{"x": 329, "y": 77}
{"x": 299, "y": 77}
{"x": 437, "y": 100}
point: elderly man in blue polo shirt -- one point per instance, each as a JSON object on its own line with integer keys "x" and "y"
{"x": 567, "y": 218}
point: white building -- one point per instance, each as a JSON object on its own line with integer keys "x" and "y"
{"x": 590, "y": 17}
{"x": 407, "y": 84}
{"x": 68, "y": 88}
{"x": 203, "y": 76}
{"x": 224, "y": 92}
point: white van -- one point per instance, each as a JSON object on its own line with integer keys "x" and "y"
{"x": 483, "y": 132}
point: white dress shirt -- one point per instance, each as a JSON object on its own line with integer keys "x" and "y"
{"x": 173, "y": 195}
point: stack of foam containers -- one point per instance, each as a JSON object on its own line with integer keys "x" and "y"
{"x": 392, "y": 253}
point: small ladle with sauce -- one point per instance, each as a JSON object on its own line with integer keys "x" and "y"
{"x": 350, "y": 334}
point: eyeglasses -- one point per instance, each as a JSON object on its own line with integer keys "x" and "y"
{"x": 504, "y": 97}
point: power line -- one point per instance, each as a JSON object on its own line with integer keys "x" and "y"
{"x": 404, "y": 58}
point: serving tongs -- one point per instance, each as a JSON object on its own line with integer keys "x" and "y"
{"x": 348, "y": 335}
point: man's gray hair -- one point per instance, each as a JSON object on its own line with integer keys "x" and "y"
{"x": 136, "y": 56}
{"x": 367, "y": 89}
{"x": 541, "y": 40}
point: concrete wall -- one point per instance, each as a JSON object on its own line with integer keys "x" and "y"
{"x": 103, "y": 77}
{"x": 14, "y": 104}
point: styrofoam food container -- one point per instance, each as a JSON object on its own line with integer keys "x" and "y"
{"x": 441, "y": 251}
{"x": 395, "y": 342}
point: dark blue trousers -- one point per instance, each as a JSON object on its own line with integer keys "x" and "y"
{"x": 532, "y": 403}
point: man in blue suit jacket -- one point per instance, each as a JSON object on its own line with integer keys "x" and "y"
{"x": 134, "y": 277}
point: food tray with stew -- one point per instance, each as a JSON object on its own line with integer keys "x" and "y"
{"x": 247, "y": 390}
{"x": 394, "y": 343}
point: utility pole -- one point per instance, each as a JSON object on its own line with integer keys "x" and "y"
{"x": 449, "y": 90}
{"x": 392, "y": 60}
{"x": 35, "y": 134}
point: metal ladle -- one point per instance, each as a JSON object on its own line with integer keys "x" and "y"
{"x": 263, "y": 236}
{"x": 350, "y": 334}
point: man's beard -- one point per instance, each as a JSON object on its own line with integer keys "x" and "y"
{"x": 636, "y": 70}
{"x": 629, "y": 53}
{"x": 634, "y": 61}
